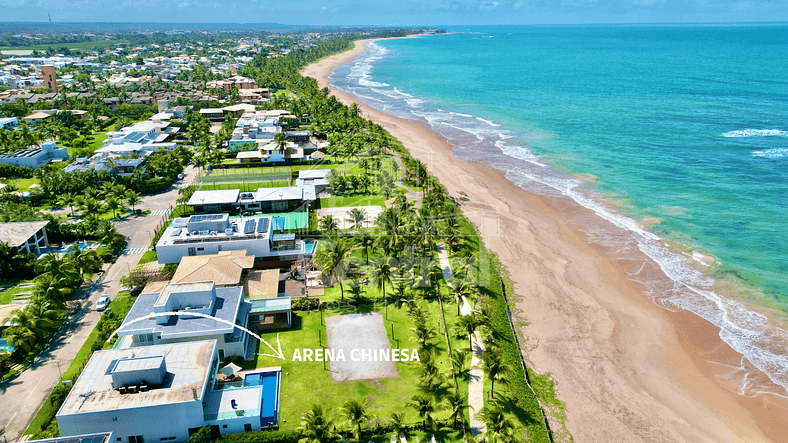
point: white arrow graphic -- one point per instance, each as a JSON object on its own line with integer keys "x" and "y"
{"x": 279, "y": 353}
{"x": 153, "y": 316}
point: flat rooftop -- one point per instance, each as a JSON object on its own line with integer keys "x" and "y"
{"x": 100, "y": 437}
{"x": 221, "y": 197}
{"x": 188, "y": 367}
{"x": 220, "y": 403}
{"x": 248, "y": 228}
{"x": 226, "y": 307}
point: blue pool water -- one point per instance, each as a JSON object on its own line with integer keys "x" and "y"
{"x": 5, "y": 346}
{"x": 309, "y": 247}
{"x": 270, "y": 403}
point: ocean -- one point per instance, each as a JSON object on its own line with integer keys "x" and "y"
{"x": 676, "y": 135}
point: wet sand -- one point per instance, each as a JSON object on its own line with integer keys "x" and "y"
{"x": 627, "y": 369}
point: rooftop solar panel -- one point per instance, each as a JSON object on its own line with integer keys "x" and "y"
{"x": 262, "y": 225}
{"x": 249, "y": 226}
{"x": 200, "y": 218}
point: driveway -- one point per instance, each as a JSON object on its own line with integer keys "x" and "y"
{"x": 21, "y": 398}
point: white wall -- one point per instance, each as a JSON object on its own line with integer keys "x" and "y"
{"x": 153, "y": 423}
{"x": 172, "y": 253}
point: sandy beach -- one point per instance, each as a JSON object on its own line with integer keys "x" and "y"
{"x": 627, "y": 369}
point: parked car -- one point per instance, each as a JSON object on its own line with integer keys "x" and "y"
{"x": 103, "y": 302}
{"x": 180, "y": 176}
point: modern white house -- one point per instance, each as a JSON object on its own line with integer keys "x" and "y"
{"x": 275, "y": 199}
{"x": 144, "y": 328}
{"x": 281, "y": 199}
{"x": 9, "y": 122}
{"x": 253, "y": 129}
{"x": 143, "y": 138}
{"x": 315, "y": 177}
{"x": 35, "y": 158}
{"x": 27, "y": 237}
{"x": 224, "y": 200}
{"x": 165, "y": 393}
{"x": 212, "y": 233}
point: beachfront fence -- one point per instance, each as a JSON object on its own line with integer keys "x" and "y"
{"x": 525, "y": 369}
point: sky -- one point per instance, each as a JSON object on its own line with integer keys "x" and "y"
{"x": 398, "y": 12}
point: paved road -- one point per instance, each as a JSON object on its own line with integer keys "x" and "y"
{"x": 21, "y": 398}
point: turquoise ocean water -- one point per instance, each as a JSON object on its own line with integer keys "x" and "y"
{"x": 686, "y": 125}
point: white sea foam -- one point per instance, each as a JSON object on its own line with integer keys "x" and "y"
{"x": 744, "y": 330}
{"x": 772, "y": 153}
{"x": 488, "y": 122}
{"x": 755, "y": 133}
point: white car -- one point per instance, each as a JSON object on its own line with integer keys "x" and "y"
{"x": 102, "y": 302}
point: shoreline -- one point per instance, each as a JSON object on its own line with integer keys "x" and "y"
{"x": 626, "y": 369}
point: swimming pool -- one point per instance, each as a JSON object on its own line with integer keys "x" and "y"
{"x": 309, "y": 247}
{"x": 269, "y": 381}
{"x": 5, "y": 346}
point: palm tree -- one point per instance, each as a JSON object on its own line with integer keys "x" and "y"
{"x": 356, "y": 414}
{"x": 55, "y": 266}
{"x": 316, "y": 426}
{"x": 28, "y": 328}
{"x": 429, "y": 373}
{"x": 90, "y": 206}
{"x": 357, "y": 217}
{"x": 281, "y": 142}
{"x": 367, "y": 240}
{"x": 381, "y": 273}
{"x": 467, "y": 325}
{"x": 456, "y": 403}
{"x": 501, "y": 427}
{"x": 66, "y": 199}
{"x": 113, "y": 204}
{"x": 458, "y": 289}
{"x": 459, "y": 360}
{"x": 356, "y": 289}
{"x": 424, "y": 407}
{"x": 332, "y": 260}
{"x": 494, "y": 366}
{"x": 329, "y": 223}
{"x": 86, "y": 260}
{"x": 398, "y": 422}
{"x": 52, "y": 287}
{"x": 133, "y": 198}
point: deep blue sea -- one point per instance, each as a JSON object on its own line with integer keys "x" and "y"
{"x": 677, "y": 134}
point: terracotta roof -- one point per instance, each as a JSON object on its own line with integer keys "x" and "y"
{"x": 37, "y": 115}
{"x": 154, "y": 287}
{"x": 224, "y": 268}
{"x": 262, "y": 284}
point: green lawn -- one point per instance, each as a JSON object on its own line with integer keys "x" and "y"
{"x": 147, "y": 257}
{"x": 243, "y": 185}
{"x": 307, "y": 383}
{"x": 7, "y": 295}
{"x": 337, "y": 201}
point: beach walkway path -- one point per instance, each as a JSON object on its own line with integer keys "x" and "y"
{"x": 476, "y": 378}
{"x": 411, "y": 194}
